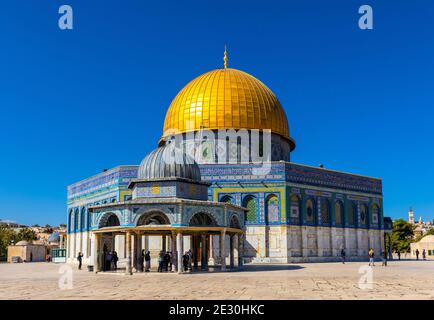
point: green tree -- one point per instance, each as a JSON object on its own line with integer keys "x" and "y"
{"x": 26, "y": 234}
{"x": 7, "y": 237}
{"x": 402, "y": 235}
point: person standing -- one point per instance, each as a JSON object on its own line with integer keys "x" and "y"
{"x": 399, "y": 255}
{"x": 167, "y": 261}
{"x": 141, "y": 260}
{"x": 186, "y": 260}
{"x": 423, "y": 254}
{"x": 115, "y": 260}
{"x": 417, "y": 254}
{"x": 108, "y": 261}
{"x": 343, "y": 254}
{"x": 161, "y": 261}
{"x": 384, "y": 258}
{"x": 147, "y": 261}
{"x": 80, "y": 260}
{"x": 371, "y": 257}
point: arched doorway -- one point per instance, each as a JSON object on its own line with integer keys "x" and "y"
{"x": 153, "y": 218}
{"x": 109, "y": 219}
{"x": 200, "y": 242}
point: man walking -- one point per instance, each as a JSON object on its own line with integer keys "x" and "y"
{"x": 371, "y": 257}
{"x": 417, "y": 254}
{"x": 343, "y": 254}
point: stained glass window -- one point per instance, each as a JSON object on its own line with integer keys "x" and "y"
{"x": 227, "y": 199}
{"x": 325, "y": 211}
{"x": 363, "y": 214}
{"x": 375, "y": 212}
{"x": 295, "y": 206}
{"x": 338, "y": 213}
{"x": 309, "y": 211}
{"x": 272, "y": 209}
{"x": 250, "y": 204}
{"x": 352, "y": 213}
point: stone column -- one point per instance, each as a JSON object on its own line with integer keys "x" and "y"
{"x": 222, "y": 250}
{"x": 195, "y": 251}
{"x": 128, "y": 269}
{"x": 204, "y": 258}
{"x": 231, "y": 253}
{"x": 138, "y": 243}
{"x": 96, "y": 253}
{"x": 240, "y": 250}
{"x": 174, "y": 253}
{"x": 180, "y": 251}
{"x": 163, "y": 239}
{"x": 134, "y": 255}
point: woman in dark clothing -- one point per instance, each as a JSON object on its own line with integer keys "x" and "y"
{"x": 166, "y": 261}
{"x": 161, "y": 261}
{"x": 141, "y": 260}
{"x": 185, "y": 261}
{"x": 115, "y": 260}
{"x": 147, "y": 261}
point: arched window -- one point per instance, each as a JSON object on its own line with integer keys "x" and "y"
{"x": 325, "y": 212}
{"x": 250, "y": 203}
{"x": 70, "y": 221}
{"x": 375, "y": 212}
{"x": 89, "y": 222}
{"x": 76, "y": 220}
{"x": 83, "y": 219}
{"x": 339, "y": 213}
{"x": 363, "y": 214}
{"x": 295, "y": 207}
{"x": 272, "y": 209}
{"x": 235, "y": 223}
{"x": 352, "y": 213}
{"x": 310, "y": 211}
{"x": 227, "y": 199}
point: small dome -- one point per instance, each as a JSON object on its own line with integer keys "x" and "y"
{"x": 428, "y": 238}
{"x": 54, "y": 237}
{"x": 22, "y": 243}
{"x": 169, "y": 162}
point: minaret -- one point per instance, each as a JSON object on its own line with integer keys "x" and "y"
{"x": 225, "y": 58}
{"x": 411, "y": 216}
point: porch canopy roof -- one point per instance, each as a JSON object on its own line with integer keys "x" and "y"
{"x": 167, "y": 229}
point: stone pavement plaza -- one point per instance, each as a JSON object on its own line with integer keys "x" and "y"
{"x": 400, "y": 280}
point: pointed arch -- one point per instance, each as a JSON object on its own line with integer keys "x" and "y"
{"x": 272, "y": 209}
{"x": 250, "y": 203}
{"x": 325, "y": 212}
{"x": 339, "y": 213}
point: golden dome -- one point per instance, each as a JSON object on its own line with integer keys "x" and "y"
{"x": 226, "y": 99}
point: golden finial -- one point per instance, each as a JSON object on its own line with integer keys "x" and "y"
{"x": 225, "y": 58}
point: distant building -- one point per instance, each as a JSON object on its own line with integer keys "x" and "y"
{"x": 25, "y": 251}
{"x": 426, "y": 243}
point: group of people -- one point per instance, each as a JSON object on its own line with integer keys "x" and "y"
{"x": 110, "y": 261}
{"x": 371, "y": 256}
{"x": 423, "y": 254}
{"x": 166, "y": 260}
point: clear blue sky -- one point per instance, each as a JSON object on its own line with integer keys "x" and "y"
{"x": 75, "y": 102}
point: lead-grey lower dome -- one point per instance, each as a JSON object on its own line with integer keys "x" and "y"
{"x": 168, "y": 162}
